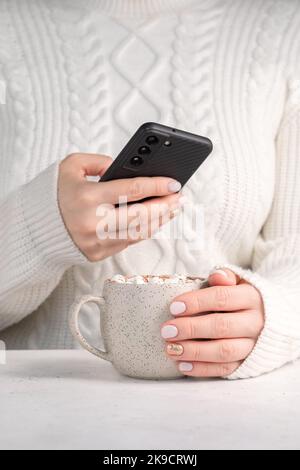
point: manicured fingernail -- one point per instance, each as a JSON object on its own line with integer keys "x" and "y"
{"x": 169, "y": 331}
{"x": 219, "y": 271}
{"x": 175, "y": 349}
{"x": 186, "y": 366}
{"x": 177, "y": 308}
{"x": 174, "y": 186}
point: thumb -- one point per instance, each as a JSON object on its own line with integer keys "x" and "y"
{"x": 223, "y": 277}
{"x": 91, "y": 164}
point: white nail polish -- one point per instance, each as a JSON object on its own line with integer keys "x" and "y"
{"x": 169, "y": 331}
{"x": 186, "y": 366}
{"x": 177, "y": 308}
{"x": 174, "y": 186}
{"x": 219, "y": 271}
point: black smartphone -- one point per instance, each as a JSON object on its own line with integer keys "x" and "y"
{"x": 158, "y": 150}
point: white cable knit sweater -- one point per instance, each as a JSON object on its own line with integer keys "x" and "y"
{"x": 80, "y": 76}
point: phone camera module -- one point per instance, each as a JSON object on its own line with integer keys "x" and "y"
{"x": 145, "y": 150}
{"x": 152, "y": 140}
{"x": 136, "y": 161}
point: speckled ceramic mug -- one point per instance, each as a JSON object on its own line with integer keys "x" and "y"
{"x": 131, "y": 318}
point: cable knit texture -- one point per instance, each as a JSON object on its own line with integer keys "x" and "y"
{"x": 81, "y": 76}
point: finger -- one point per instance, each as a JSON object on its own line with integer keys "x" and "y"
{"x": 139, "y": 233}
{"x": 223, "y": 277}
{"x": 226, "y": 350}
{"x": 151, "y": 214}
{"x": 205, "y": 369}
{"x": 106, "y": 230}
{"x": 216, "y": 299}
{"x": 136, "y": 189}
{"x": 246, "y": 324}
{"x": 145, "y": 232}
{"x": 88, "y": 164}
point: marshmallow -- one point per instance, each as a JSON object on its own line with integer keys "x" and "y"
{"x": 181, "y": 277}
{"x": 136, "y": 280}
{"x": 176, "y": 279}
{"x": 156, "y": 280}
{"x": 118, "y": 278}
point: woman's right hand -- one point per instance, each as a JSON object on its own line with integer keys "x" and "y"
{"x": 79, "y": 200}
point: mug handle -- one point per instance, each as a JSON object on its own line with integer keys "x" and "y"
{"x": 75, "y": 329}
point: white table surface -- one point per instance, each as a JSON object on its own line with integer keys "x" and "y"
{"x": 71, "y": 400}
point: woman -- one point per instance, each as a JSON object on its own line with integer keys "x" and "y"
{"x": 81, "y": 76}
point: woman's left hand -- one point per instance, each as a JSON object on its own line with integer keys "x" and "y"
{"x": 229, "y": 313}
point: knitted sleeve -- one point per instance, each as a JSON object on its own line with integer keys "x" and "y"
{"x": 276, "y": 262}
{"x": 35, "y": 247}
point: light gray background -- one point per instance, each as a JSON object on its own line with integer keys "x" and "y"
{"x": 71, "y": 400}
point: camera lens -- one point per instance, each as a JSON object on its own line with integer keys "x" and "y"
{"x": 136, "y": 161}
{"x": 144, "y": 150}
{"x": 152, "y": 140}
